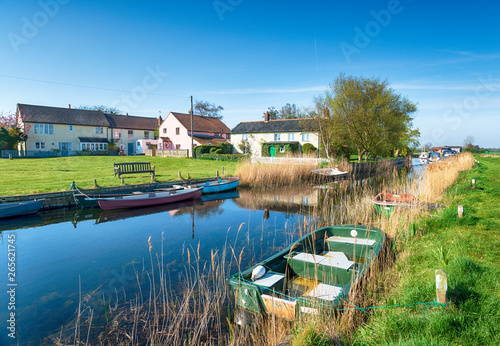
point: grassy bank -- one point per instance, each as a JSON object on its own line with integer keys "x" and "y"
{"x": 22, "y": 176}
{"x": 468, "y": 249}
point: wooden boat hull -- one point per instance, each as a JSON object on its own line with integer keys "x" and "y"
{"x": 20, "y": 208}
{"x": 385, "y": 203}
{"x": 315, "y": 272}
{"x": 220, "y": 185}
{"x": 146, "y": 200}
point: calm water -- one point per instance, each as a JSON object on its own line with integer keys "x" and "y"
{"x": 55, "y": 253}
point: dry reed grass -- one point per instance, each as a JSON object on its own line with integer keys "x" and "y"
{"x": 199, "y": 314}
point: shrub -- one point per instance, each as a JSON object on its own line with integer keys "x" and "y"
{"x": 202, "y": 149}
{"x": 223, "y": 157}
{"x": 308, "y": 148}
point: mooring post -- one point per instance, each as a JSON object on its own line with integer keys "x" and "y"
{"x": 189, "y": 176}
{"x": 95, "y": 182}
{"x": 123, "y": 181}
{"x": 441, "y": 286}
{"x": 10, "y": 156}
{"x": 152, "y": 179}
{"x": 179, "y": 174}
{"x": 217, "y": 174}
{"x": 460, "y": 211}
{"x": 473, "y": 183}
{"x": 222, "y": 170}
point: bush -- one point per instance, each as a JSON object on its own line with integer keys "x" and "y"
{"x": 223, "y": 157}
{"x": 202, "y": 149}
{"x": 213, "y": 150}
{"x": 308, "y": 148}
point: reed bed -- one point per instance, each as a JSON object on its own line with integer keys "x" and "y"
{"x": 201, "y": 312}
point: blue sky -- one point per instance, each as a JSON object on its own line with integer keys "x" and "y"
{"x": 144, "y": 57}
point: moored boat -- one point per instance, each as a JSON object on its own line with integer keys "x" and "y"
{"x": 386, "y": 202}
{"x": 149, "y": 199}
{"x": 317, "y": 271}
{"x": 219, "y": 185}
{"x": 20, "y": 208}
{"x": 330, "y": 174}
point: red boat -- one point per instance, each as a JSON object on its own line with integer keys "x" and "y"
{"x": 385, "y": 202}
{"x": 148, "y": 199}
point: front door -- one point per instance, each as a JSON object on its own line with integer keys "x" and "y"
{"x": 272, "y": 151}
{"x": 131, "y": 149}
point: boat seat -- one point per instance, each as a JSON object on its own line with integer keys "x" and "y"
{"x": 269, "y": 279}
{"x": 352, "y": 240}
{"x": 280, "y": 307}
{"x": 336, "y": 260}
{"x": 325, "y": 292}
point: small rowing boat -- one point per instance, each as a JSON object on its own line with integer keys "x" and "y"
{"x": 386, "y": 202}
{"x": 219, "y": 185}
{"x": 317, "y": 271}
{"x": 149, "y": 199}
{"x": 20, "y": 208}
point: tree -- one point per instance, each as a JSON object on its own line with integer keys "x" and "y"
{"x": 102, "y": 108}
{"x": 369, "y": 116}
{"x": 273, "y": 113}
{"x": 469, "y": 142}
{"x": 288, "y": 111}
{"x": 10, "y": 132}
{"x": 207, "y": 109}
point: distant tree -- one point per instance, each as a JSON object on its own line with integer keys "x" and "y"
{"x": 11, "y": 133}
{"x": 469, "y": 142}
{"x": 207, "y": 109}
{"x": 273, "y": 113}
{"x": 102, "y": 108}
{"x": 288, "y": 111}
{"x": 427, "y": 146}
{"x": 369, "y": 116}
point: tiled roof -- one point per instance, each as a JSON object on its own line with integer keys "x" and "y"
{"x": 66, "y": 116}
{"x": 93, "y": 140}
{"x": 201, "y": 124}
{"x": 210, "y": 140}
{"x": 286, "y": 125}
{"x": 130, "y": 122}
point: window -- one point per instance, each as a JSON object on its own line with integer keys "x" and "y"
{"x": 93, "y": 146}
{"x": 138, "y": 143}
{"x": 65, "y": 146}
{"x": 305, "y": 137}
{"x": 291, "y": 136}
{"x": 177, "y": 146}
{"x": 39, "y": 145}
{"x": 244, "y": 137}
{"x": 146, "y": 134}
{"x": 43, "y": 129}
{"x": 99, "y": 130}
{"x": 282, "y": 148}
{"x": 118, "y": 134}
{"x": 71, "y": 127}
{"x": 130, "y": 134}
{"x": 276, "y": 136}
{"x": 177, "y": 130}
{"x": 217, "y": 134}
{"x": 164, "y": 130}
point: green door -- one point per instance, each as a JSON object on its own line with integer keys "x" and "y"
{"x": 272, "y": 151}
{"x": 131, "y": 149}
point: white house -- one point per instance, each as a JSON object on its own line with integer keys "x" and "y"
{"x": 175, "y": 131}
{"x": 276, "y": 134}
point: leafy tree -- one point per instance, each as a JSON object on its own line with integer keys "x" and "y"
{"x": 273, "y": 113}
{"x": 245, "y": 147}
{"x": 308, "y": 148}
{"x": 102, "y": 108}
{"x": 367, "y": 115}
{"x": 10, "y": 132}
{"x": 288, "y": 111}
{"x": 207, "y": 109}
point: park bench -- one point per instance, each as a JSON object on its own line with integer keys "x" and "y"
{"x": 134, "y": 167}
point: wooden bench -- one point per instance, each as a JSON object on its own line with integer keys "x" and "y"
{"x": 134, "y": 167}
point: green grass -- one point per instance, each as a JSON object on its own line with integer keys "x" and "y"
{"x": 468, "y": 249}
{"x": 22, "y": 176}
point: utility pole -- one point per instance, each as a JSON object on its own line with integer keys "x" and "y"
{"x": 192, "y": 138}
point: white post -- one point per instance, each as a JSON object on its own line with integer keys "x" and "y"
{"x": 460, "y": 211}
{"x": 441, "y": 286}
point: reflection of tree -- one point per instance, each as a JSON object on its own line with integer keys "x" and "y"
{"x": 207, "y": 209}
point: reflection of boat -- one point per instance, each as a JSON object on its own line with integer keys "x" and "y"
{"x": 317, "y": 271}
{"x": 423, "y": 157}
{"x": 149, "y": 199}
{"x": 27, "y": 221}
{"x": 331, "y": 173}
{"x": 219, "y": 185}
{"x": 90, "y": 200}
{"x": 385, "y": 202}
{"x": 221, "y": 195}
{"x": 113, "y": 215}
{"x": 20, "y": 208}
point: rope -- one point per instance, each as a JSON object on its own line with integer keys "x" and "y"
{"x": 74, "y": 187}
{"x": 432, "y": 304}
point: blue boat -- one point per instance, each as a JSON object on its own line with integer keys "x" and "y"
{"x": 20, "y": 208}
{"x": 220, "y": 185}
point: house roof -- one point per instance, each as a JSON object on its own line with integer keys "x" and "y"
{"x": 210, "y": 140}
{"x": 285, "y": 125}
{"x": 131, "y": 122}
{"x": 201, "y": 124}
{"x": 93, "y": 140}
{"x": 66, "y": 116}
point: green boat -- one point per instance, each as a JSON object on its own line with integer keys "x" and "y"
{"x": 315, "y": 272}
{"x": 385, "y": 203}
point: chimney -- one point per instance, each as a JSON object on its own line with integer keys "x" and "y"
{"x": 69, "y": 106}
{"x": 266, "y": 117}
{"x": 160, "y": 120}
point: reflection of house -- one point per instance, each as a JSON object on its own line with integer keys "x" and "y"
{"x": 175, "y": 131}
{"x": 72, "y": 130}
{"x": 279, "y": 136}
